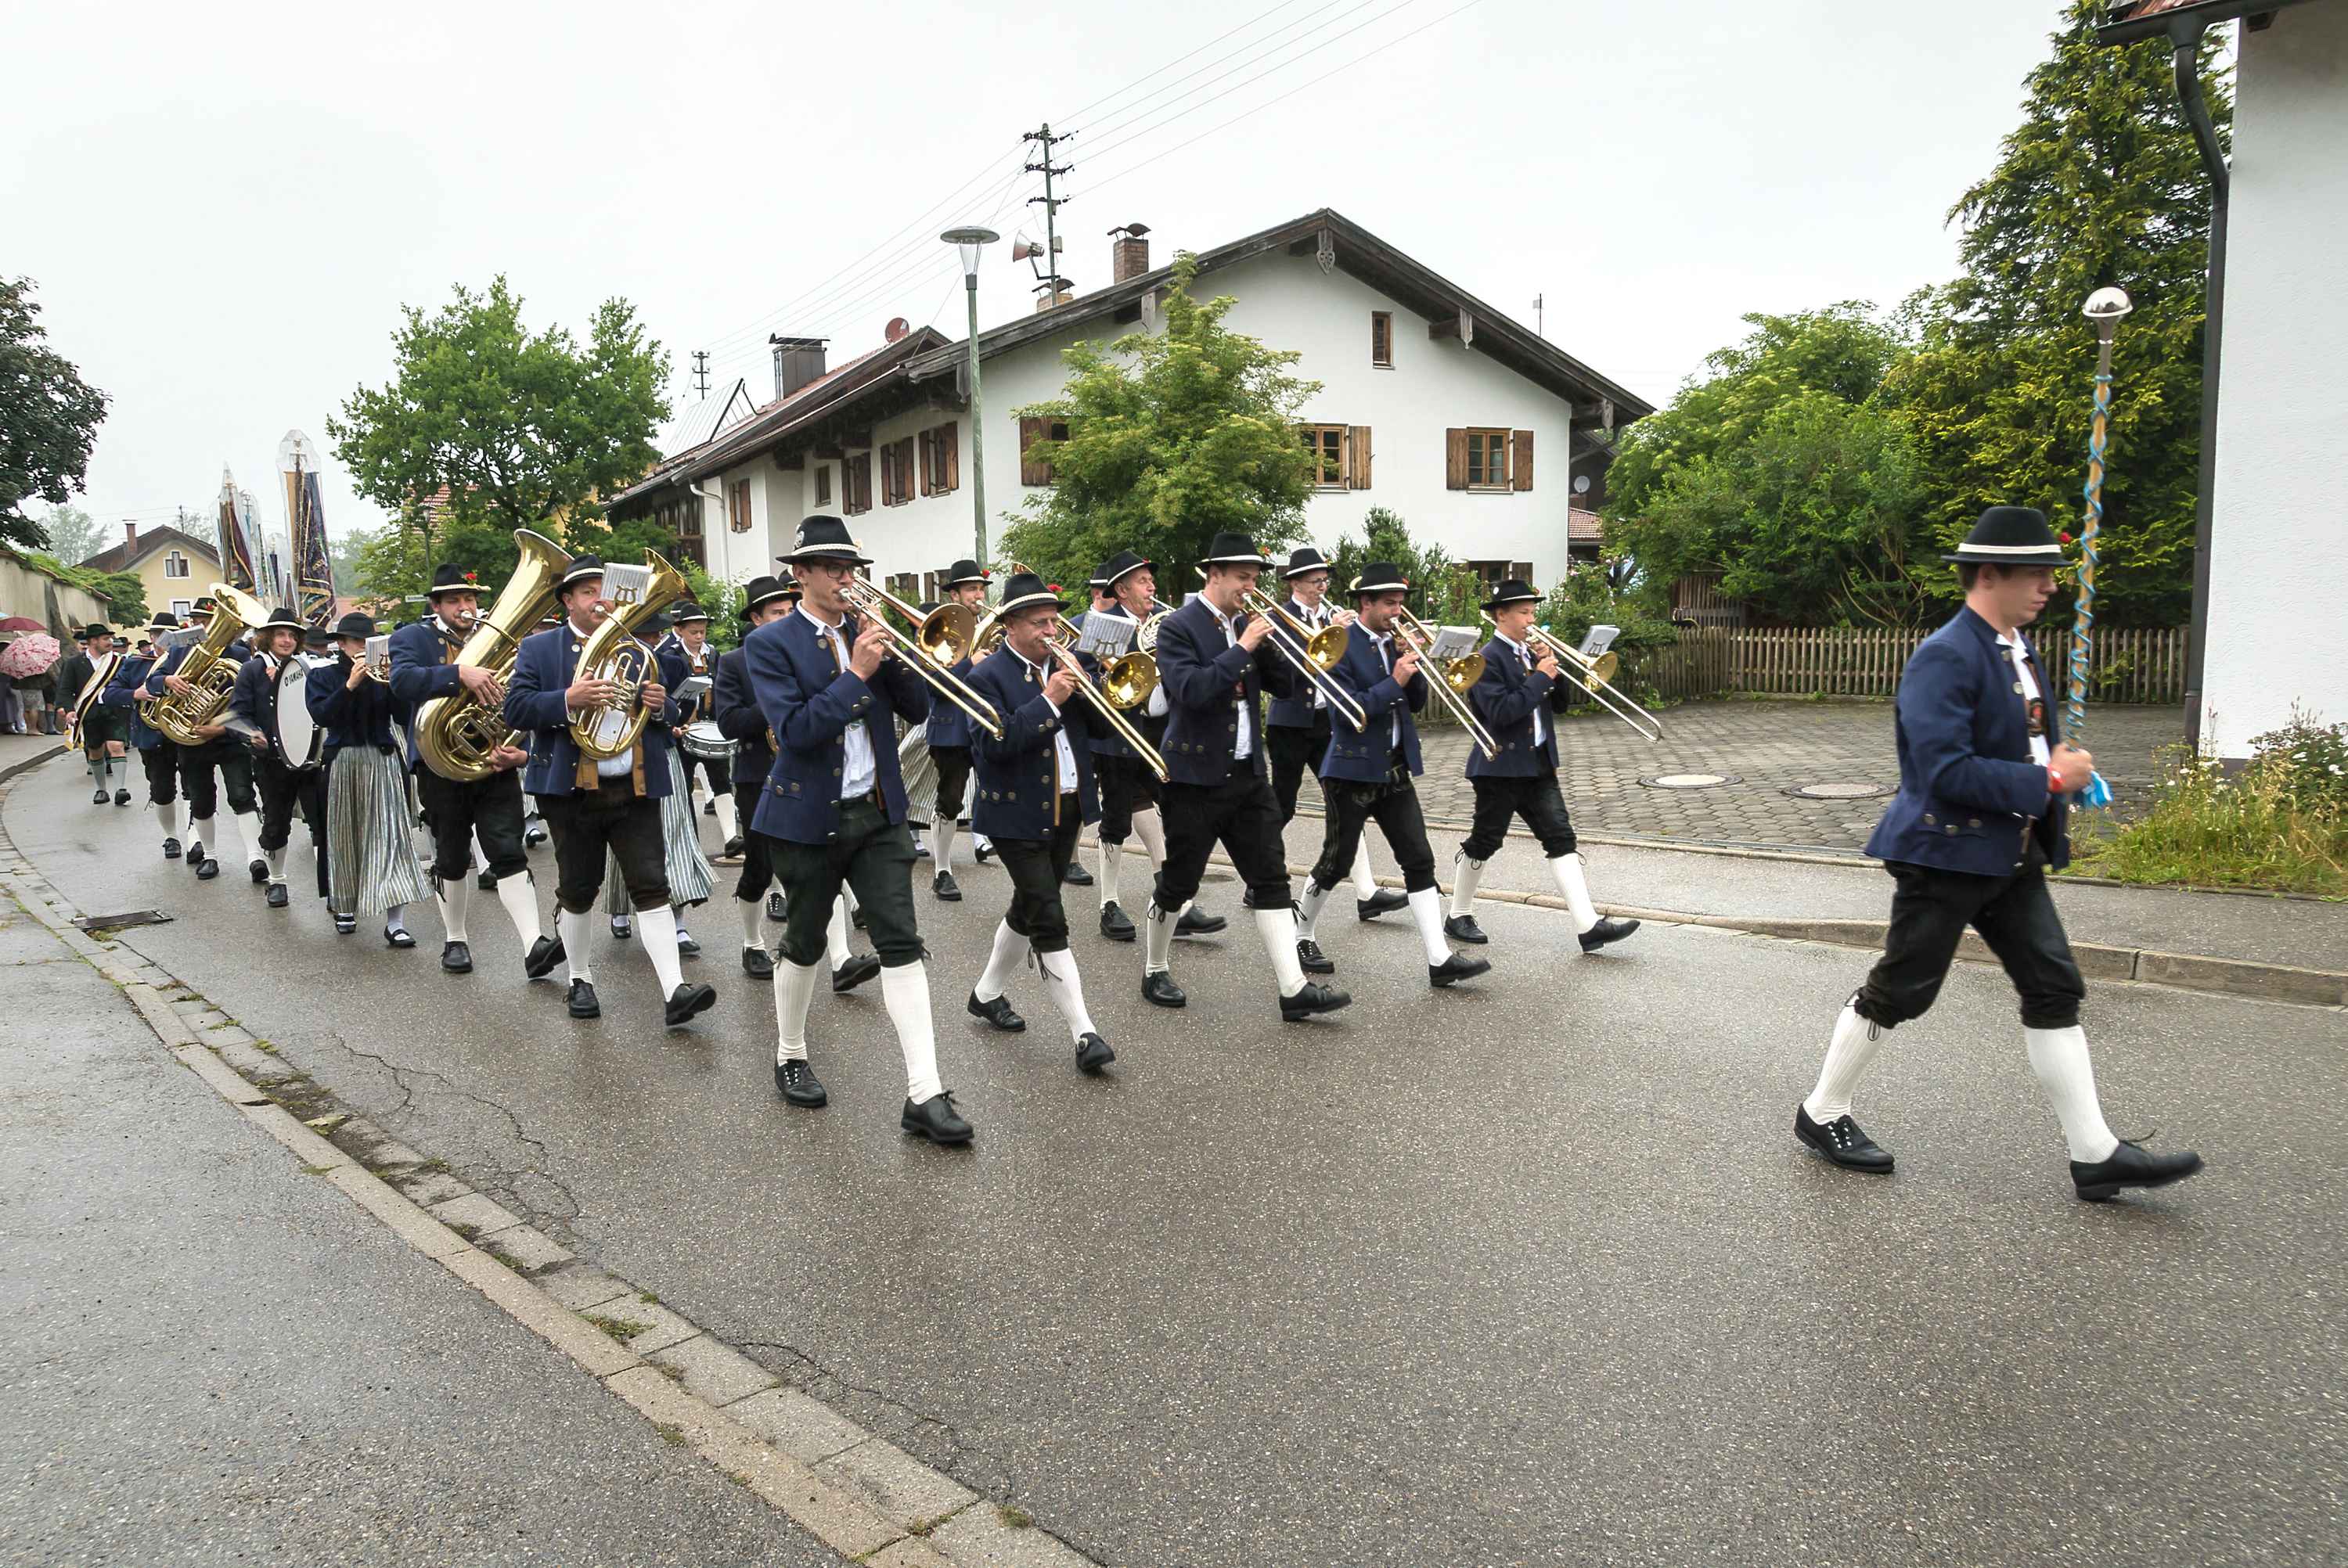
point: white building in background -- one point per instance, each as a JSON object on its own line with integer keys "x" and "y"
{"x": 1467, "y": 424}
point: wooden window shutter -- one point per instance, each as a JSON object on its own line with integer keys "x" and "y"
{"x": 1031, "y": 472}
{"x": 1358, "y": 459}
{"x": 953, "y": 436}
{"x": 1521, "y": 461}
{"x": 926, "y": 462}
{"x": 1454, "y": 459}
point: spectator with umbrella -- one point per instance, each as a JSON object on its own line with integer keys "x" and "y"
{"x": 26, "y": 663}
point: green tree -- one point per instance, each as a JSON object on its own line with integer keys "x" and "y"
{"x": 1172, "y": 436}
{"x": 48, "y": 418}
{"x": 125, "y": 598}
{"x": 72, "y": 534}
{"x": 525, "y": 431}
{"x": 2101, "y": 184}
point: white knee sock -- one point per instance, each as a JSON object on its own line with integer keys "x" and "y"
{"x": 847, "y": 897}
{"x": 168, "y": 814}
{"x": 905, "y": 993}
{"x": 456, "y": 895}
{"x": 1465, "y": 874}
{"x": 656, "y": 929}
{"x": 1010, "y": 947}
{"x": 1308, "y": 910}
{"x": 1158, "y": 938}
{"x": 794, "y": 988}
{"x": 276, "y": 858}
{"x": 1427, "y": 912}
{"x": 1567, "y": 869}
{"x": 1112, "y": 870}
{"x": 2059, "y": 1057}
{"x": 1366, "y": 882}
{"x": 751, "y": 912}
{"x": 1151, "y": 828}
{"x": 1278, "y": 928}
{"x": 1855, "y": 1040}
{"x": 248, "y": 829}
{"x": 199, "y": 832}
{"x": 727, "y": 824}
{"x": 942, "y": 837}
{"x": 519, "y": 893}
{"x": 835, "y": 935}
{"x": 1066, "y": 991}
{"x": 576, "y": 930}
{"x": 480, "y": 851}
{"x": 394, "y": 919}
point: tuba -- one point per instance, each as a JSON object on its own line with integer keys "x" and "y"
{"x": 457, "y": 735}
{"x": 615, "y": 653}
{"x": 208, "y": 670}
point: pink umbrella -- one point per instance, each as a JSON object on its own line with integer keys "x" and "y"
{"x": 29, "y": 654}
{"x": 21, "y": 623}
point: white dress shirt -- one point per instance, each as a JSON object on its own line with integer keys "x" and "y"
{"x": 1244, "y": 745}
{"x": 1525, "y": 658}
{"x": 1384, "y": 642}
{"x": 2027, "y": 685}
{"x": 1037, "y": 674}
{"x": 856, "y": 768}
{"x": 1315, "y": 616}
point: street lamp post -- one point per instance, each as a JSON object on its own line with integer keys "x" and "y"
{"x": 970, "y": 241}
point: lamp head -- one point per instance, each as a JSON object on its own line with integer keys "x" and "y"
{"x": 2106, "y": 305}
{"x": 969, "y": 241}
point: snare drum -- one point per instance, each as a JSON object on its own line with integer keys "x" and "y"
{"x": 704, "y": 742}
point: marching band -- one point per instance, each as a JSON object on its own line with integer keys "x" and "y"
{"x": 1141, "y": 719}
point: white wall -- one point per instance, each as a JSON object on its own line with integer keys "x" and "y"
{"x": 2278, "y": 632}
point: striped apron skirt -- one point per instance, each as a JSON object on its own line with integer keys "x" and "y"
{"x": 919, "y": 773}
{"x": 371, "y": 859}
{"x": 690, "y": 879}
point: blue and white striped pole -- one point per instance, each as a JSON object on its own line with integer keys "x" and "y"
{"x": 2105, "y": 307}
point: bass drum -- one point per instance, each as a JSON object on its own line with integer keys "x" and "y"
{"x": 300, "y": 741}
{"x": 704, "y": 741}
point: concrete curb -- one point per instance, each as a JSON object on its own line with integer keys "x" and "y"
{"x": 13, "y": 769}
{"x": 861, "y": 1495}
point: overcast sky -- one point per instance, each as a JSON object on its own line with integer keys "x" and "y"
{"x": 225, "y": 206}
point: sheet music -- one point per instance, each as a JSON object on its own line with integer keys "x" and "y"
{"x": 691, "y": 688}
{"x": 626, "y": 584}
{"x": 1454, "y": 642}
{"x": 378, "y": 649}
{"x": 1106, "y": 636}
{"x": 1600, "y": 640}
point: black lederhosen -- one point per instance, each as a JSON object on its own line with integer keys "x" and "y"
{"x": 1240, "y": 815}
{"x": 218, "y": 766}
{"x": 2015, "y": 916}
{"x": 1036, "y": 865}
{"x": 1536, "y": 799}
{"x": 1294, "y": 752}
{"x": 1393, "y": 803}
{"x": 872, "y": 856}
{"x": 758, "y": 865}
{"x": 281, "y": 790}
{"x": 953, "y": 764}
{"x": 613, "y": 821}
{"x": 453, "y": 811}
{"x": 161, "y": 762}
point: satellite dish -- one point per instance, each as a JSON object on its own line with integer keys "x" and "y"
{"x": 1581, "y": 484}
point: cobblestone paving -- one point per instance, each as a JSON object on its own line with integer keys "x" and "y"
{"x": 1768, "y": 748}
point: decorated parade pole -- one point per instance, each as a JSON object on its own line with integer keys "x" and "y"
{"x": 2105, "y": 307}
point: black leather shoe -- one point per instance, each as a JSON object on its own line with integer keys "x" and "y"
{"x": 776, "y": 910}
{"x": 487, "y": 881}
{"x": 277, "y": 895}
{"x": 709, "y": 808}
{"x": 757, "y": 963}
{"x": 1093, "y": 1054}
{"x": 195, "y": 853}
{"x": 2131, "y": 1165}
{"x": 686, "y": 947}
{"x": 98, "y": 799}
{"x": 1606, "y": 931}
{"x": 1314, "y": 961}
{"x": 583, "y": 1001}
{"x": 392, "y": 936}
{"x": 948, "y": 890}
{"x": 980, "y": 851}
{"x": 1457, "y": 967}
{"x": 122, "y": 797}
{"x": 1158, "y": 987}
{"x": 1115, "y": 924}
{"x": 259, "y": 871}
{"x": 544, "y": 954}
{"x": 799, "y": 1085}
{"x": 998, "y": 1012}
{"x": 1075, "y": 876}
{"x": 1196, "y": 922}
{"x": 532, "y": 838}
{"x": 936, "y": 1120}
{"x": 688, "y": 1000}
{"x": 206, "y": 868}
{"x": 733, "y": 850}
{"x": 457, "y": 957}
{"x": 1841, "y": 1140}
{"x": 1315, "y": 997}
{"x": 1384, "y": 901}
{"x": 170, "y": 849}
{"x": 623, "y": 926}
{"x": 920, "y": 851}
{"x": 1463, "y": 928}
{"x": 856, "y": 916}
{"x": 859, "y": 968}
{"x": 346, "y": 924}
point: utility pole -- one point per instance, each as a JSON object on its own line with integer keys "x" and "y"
{"x": 1051, "y": 204}
{"x": 1540, "y": 328}
{"x": 701, "y": 371}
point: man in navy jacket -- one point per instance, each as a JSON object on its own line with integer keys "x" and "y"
{"x": 1518, "y": 698}
{"x": 1214, "y": 661}
{"x": 1984, "y": 782}
{"x": 157, "y": 754}
{"x": 1370, "y": 772}
{"x": 1035, "y": 793}
{"x": 834, "y": 811}
{"x": 950, "y": 740}
{"x": 220, "y": 764}
{"x": 282, "y": 788}
{"x": 598, "y": 809}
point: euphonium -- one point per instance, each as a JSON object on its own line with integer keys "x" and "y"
{"x": 615, "y": 653}
{"x": 458, "y": 735}
{"x": 211, "y": 677}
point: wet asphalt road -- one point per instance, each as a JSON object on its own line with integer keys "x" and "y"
{"x": 1528, "y": 1272}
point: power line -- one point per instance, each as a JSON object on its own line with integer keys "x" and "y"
{"x": 1133, "y": 110}
{"x": 1170, "y": 64}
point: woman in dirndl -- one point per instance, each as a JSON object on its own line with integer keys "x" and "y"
{"x": 371, "y": 862}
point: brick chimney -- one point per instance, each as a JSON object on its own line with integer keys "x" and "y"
{"x": 1128, "y": 252}
{"x": 130, "y": 536}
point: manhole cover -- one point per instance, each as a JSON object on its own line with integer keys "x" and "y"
{"x": 1690, "y": 781}
{"x": 116, "y": 922}
{"x": 1850, "y": 791}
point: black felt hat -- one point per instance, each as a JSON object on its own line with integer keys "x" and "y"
{"x": 580, "y": 568}
{"x": 1514, "y": 590}
{"x": 967, "y": 571}
{"x": 684, "y": 610}
{"x": 1123, "y": 564}
{"x": 1303, "y": 560}
{"x": 356, "y": 625}
{"x": 450, "y": 578}
{"x": 2010, "y": 536}
{"x": 823, "y": 538}
{"x": 283, "y": 619}
{"x": 163, "y": 621}
{"x": 96, "y": 629}
{"x": 1025, "y": 591}
{"x": 207, "y": 605}
{"x": 1380, "y": 577}
{"x": 764, "y": 590}
{"x": 1234, "y": 550}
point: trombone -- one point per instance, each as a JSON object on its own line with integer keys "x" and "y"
{"x": 1314, "y": 653}
{"x": 941, "y": 639}
{"x": 1592, "y": 675}
{"x": 1454, "y": 678}
{"x": 1125, "y": 684}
